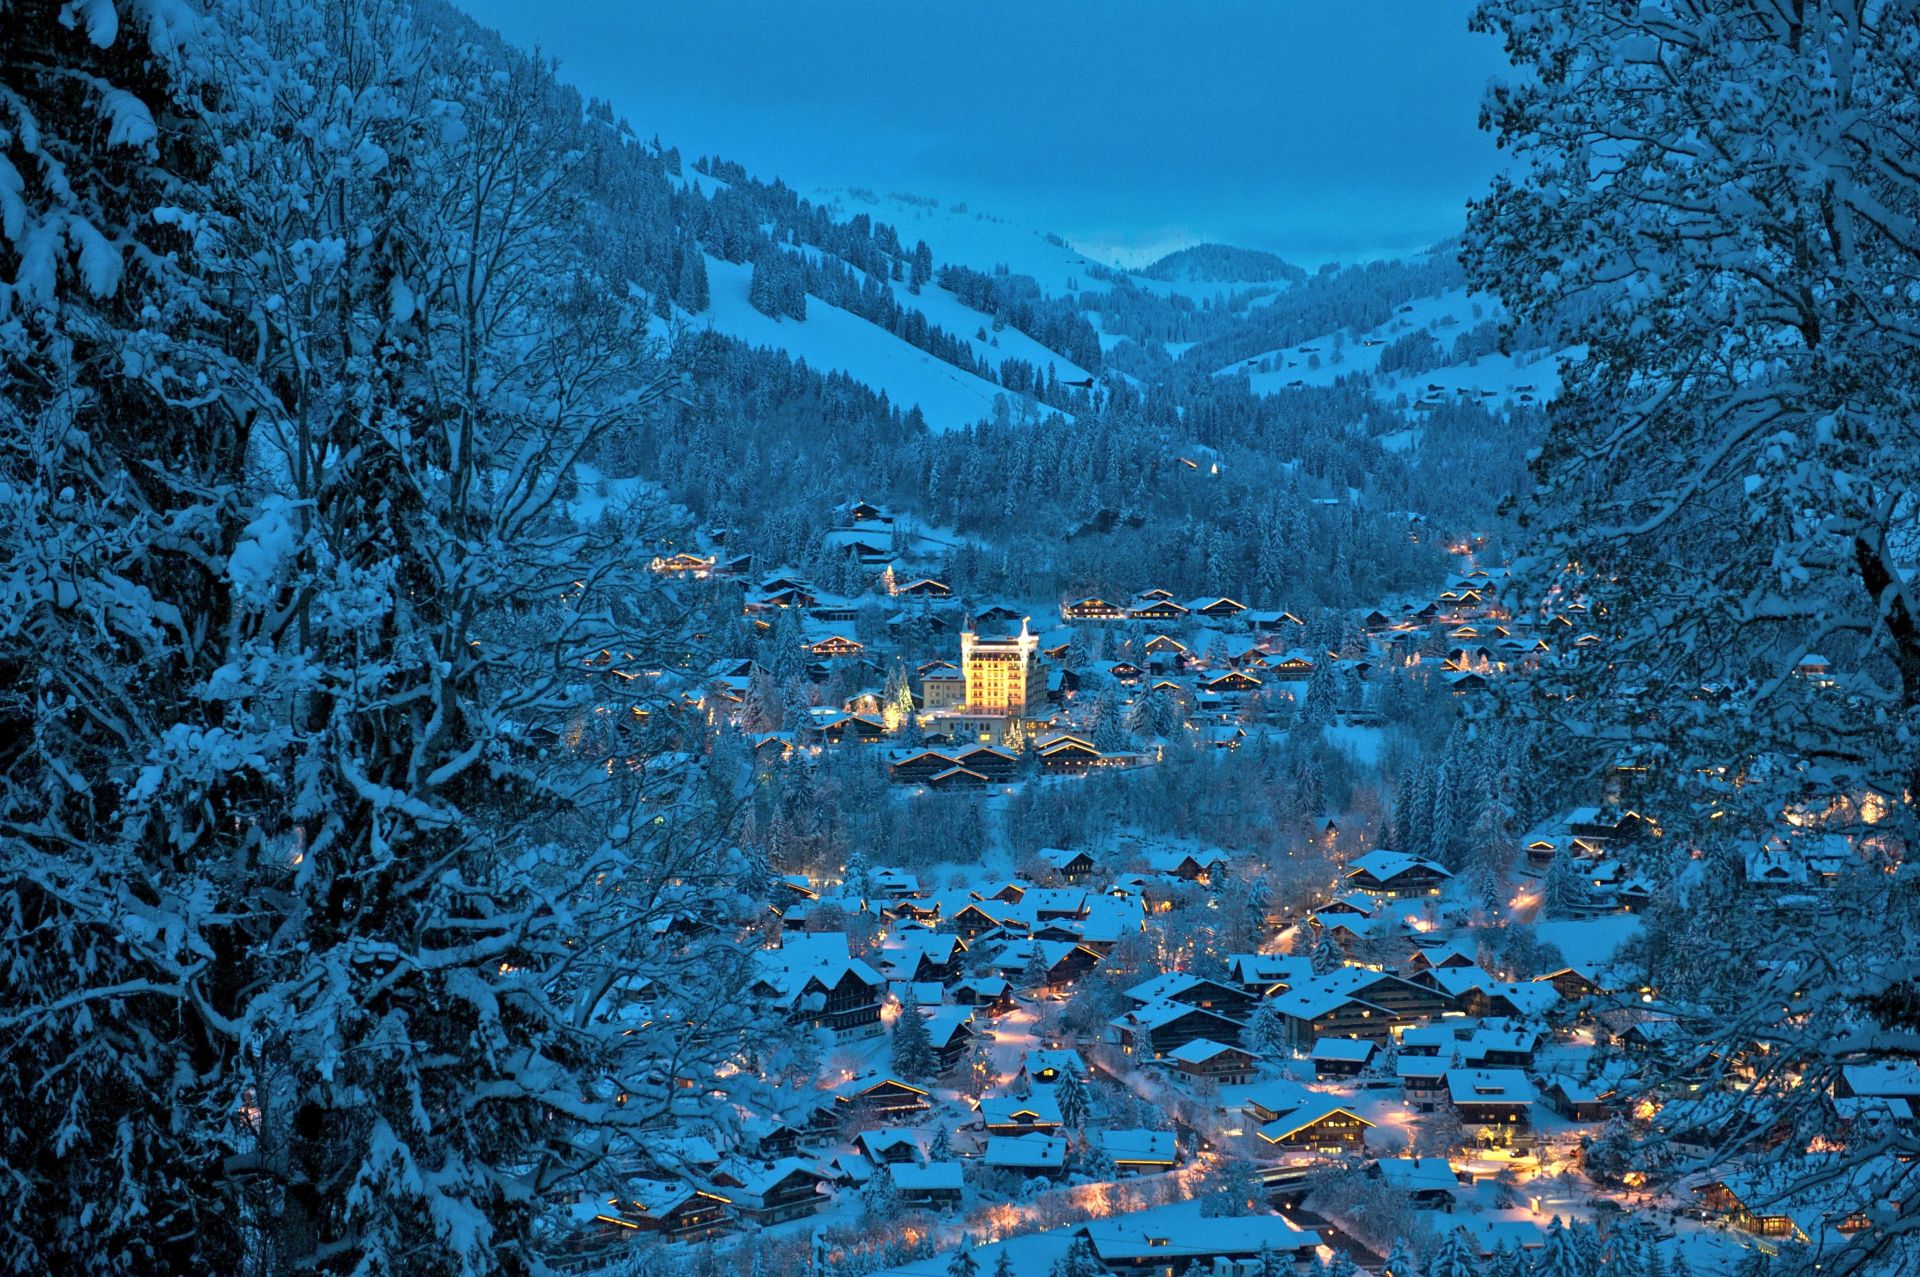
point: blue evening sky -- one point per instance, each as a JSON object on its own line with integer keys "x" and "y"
{"x": 1338, "y": 129}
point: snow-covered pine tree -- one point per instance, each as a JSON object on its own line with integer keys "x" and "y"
{"x": 1071, "y": 1094}
{"x": 1562, "y": 893}
{"x": 912, "y": 1046}
{"x": 1732, "y": 512}
{"x": 691, "y": 292}
{"x": 1266, "y": 1031}
{"x": 1453, "y": 1256}
{"x": 1399, "y": 1261}
{"x": 963, "y": 1264}
{"x": 763, "y": 285}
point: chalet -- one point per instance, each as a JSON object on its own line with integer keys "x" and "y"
{"x": 1232, "y": 683}
{"x": 1430, "y": 1182}
{"x": 676, "y": 1212}
{"x": 1324, "y": 1124}
{"x": 1190, "y": 866}
{"x": 890, "y": 1145}
{"x": 1358, "y": 1003}
{"x": 1070, "y": 754}
{"x": 1394, "y": 875}
{"x": 1072, "y": 866}
{"x": 1423, "y": 1081}
{"x": 997, "y": 765}
{"x": 925, "y": 587}
{"x": 1575, "y": 983}
{"x": 1027, "y": 1154}
{"x": 815, "y": 981}
{"x": 1203, "y": 1059}
{"x": 988, "y": 995}
{"x": 1050, "y": 903}
{"x": 771, "y": 1192}
{"x": 920, "y": 956}
{"x": 876, "y": 1095}
{"x": 1465, "y": 682}
{"x": 921, "y": 766}
{"x": 1092, "y": 609}
{"x": 1216, "y": 609}
{"x": 1140, "y": 1152}
{"x": 1578, "y": 1101}
{"x": 1194, "y": 991}
{"x": 1146, "y": 607}
{"x": 1151, "y": 1032}
{"x": 950, "y": 1033}
{"x": 936, "y": 1184}
{"x": 1729, "y": 1198}
{"x": 1491, "y": 1097}
{"x": 1295, "y": 667}
{"x": 1010, "y": 1115}
{"x": 1340, "y": 1057}
{"x": 1040, "y": 1067}
{"x": 1064, "y": 960}
{"x": 1262, "y": 975}
{"x": 862, "y": 512}
{"x": 1880, "y": 1080}
{"x": 682, "y": 563}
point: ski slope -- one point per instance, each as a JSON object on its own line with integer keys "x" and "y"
{"x": 833, "y": 340}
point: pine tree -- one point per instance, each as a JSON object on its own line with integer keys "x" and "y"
{"x": 1034, "y": 976}
{"x": 1454, "y": 1256}
{"x": 1325, "y": 955}
{"x": 1003, "y": 1266}
{"x": 913, "y": 1057}
{"x": 1562, "y": 893}
{"x": 963, "y": 1264}
{"x": 763, "y": 287}
{"x": 1266, "y": 1031}
{"x": 1071, "y": 1094}
{"x": 692, "y": 292}
{"x": 1399, "y": 1261}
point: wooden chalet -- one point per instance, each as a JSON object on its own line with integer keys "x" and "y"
{"x": 1204, "y": 1059}
{"x": 1395, "y": 875}
{"x": 1323, "y": 1124}
{"x": 1154, "y": 1031}
{"x": 771, "y": 1192}
{"x": 1092, "y": 609}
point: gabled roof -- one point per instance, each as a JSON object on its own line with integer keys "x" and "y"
{"x": 1316, "y": 1109}
{"x": 1026, "y": 1152}
{"x": 1200, "y": 1050}
{"x": 1387, "y": 865}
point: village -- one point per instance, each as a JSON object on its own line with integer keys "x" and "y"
{"x": 1155, "y": 1055}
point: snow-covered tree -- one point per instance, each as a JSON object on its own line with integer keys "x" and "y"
{"x": 1071, "y": 1094}
{"x": 1728, "y": 478}
{"x": 1453, "y": 1256}
{"x": 913, "y": 1057}
{"x": 963, "y": 1264}
{"x": 1399, "y": 1261}
{"x": 1562, "y": 893}
{"x": 1266, "y": 1031}
{"x": 323, "y": 768}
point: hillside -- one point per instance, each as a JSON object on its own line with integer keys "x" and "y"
{"x": 1223, "y": 263}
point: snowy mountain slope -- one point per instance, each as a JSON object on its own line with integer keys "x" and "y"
{"x": 960, "y": 234}
{"x": 833, "y": 340}
{"x": 1494, "y": 377}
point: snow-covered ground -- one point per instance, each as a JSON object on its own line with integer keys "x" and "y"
{"x": 1493, "y": 377}
{"x": 833, "y": 340}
